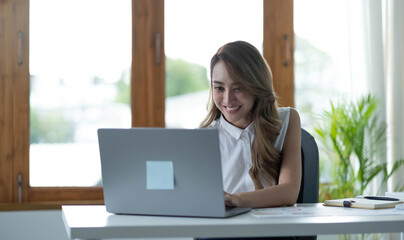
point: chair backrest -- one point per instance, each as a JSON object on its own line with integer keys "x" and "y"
{"x": 310, "y": 170}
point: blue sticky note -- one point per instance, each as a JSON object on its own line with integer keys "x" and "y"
{"x": 159, "y": 175}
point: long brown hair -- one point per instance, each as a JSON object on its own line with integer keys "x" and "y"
{"x": 247, "y": 67}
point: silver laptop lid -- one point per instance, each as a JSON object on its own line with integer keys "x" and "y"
{"x": 157, "y": 171}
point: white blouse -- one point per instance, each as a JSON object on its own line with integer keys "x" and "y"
{"x": 235, "y": 148}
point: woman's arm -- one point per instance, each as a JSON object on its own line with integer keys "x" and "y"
{"x": 287, "y": 190}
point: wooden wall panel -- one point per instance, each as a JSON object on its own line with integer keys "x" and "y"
{"x": 65, "y": 194}
{"x": 20, "y": 93}
{"x": 148, "y": 63}
{"x": 14, "y": 90}
{"x": 279, "y": 47}
{"x": 6, "y": 110}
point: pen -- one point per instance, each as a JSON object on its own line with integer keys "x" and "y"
{"x": 381, "y": 198}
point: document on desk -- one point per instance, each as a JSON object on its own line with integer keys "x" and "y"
{"x": 296, "y": 211}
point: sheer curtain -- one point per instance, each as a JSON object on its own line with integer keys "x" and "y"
{"x": 395, "y": 85}
{"x": 383, "y": 23}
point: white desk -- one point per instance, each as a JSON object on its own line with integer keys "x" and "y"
{"x": 93, "y": 222}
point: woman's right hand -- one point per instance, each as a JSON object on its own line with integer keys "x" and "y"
{"x": 232, "y": 200}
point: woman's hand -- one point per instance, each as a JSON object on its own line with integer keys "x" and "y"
{"x": 232, "y": 200}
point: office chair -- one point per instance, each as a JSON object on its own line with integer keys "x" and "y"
{"x": 310, "y": 170}
{"x": 310, "y": 173}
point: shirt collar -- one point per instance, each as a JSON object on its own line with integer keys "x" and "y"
{"x": 235, "y": 131}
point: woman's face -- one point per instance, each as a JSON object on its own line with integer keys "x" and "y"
{"x": 233, "y": 101}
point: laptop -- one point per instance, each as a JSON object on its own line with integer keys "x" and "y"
{"x": 166, "y": 172}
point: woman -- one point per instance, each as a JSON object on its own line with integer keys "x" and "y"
{"x": 259, "y": 142}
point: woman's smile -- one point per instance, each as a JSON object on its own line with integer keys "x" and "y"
{"x": 232, "y": 109}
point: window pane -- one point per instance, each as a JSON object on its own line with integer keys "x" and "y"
{"x": 322, "y": 60}
{"x": 80, "y": 56}
{"x": 327, "y": 65}
{"x": 194, "y": 30}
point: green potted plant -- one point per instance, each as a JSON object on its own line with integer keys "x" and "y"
{"x": 354, "y": 139}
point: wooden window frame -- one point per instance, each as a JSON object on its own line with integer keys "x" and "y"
{"x": 147, "y": 86}
{"x": 279, "y": 47}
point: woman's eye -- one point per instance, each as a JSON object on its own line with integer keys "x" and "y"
{"x": 219, "y": 88}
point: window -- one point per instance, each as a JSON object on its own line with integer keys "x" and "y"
{"x": 147, "y": 84}
{"x": 190, "y": 44}
{"x": 80, "y": 75}
{"x": 322, "y": 60}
